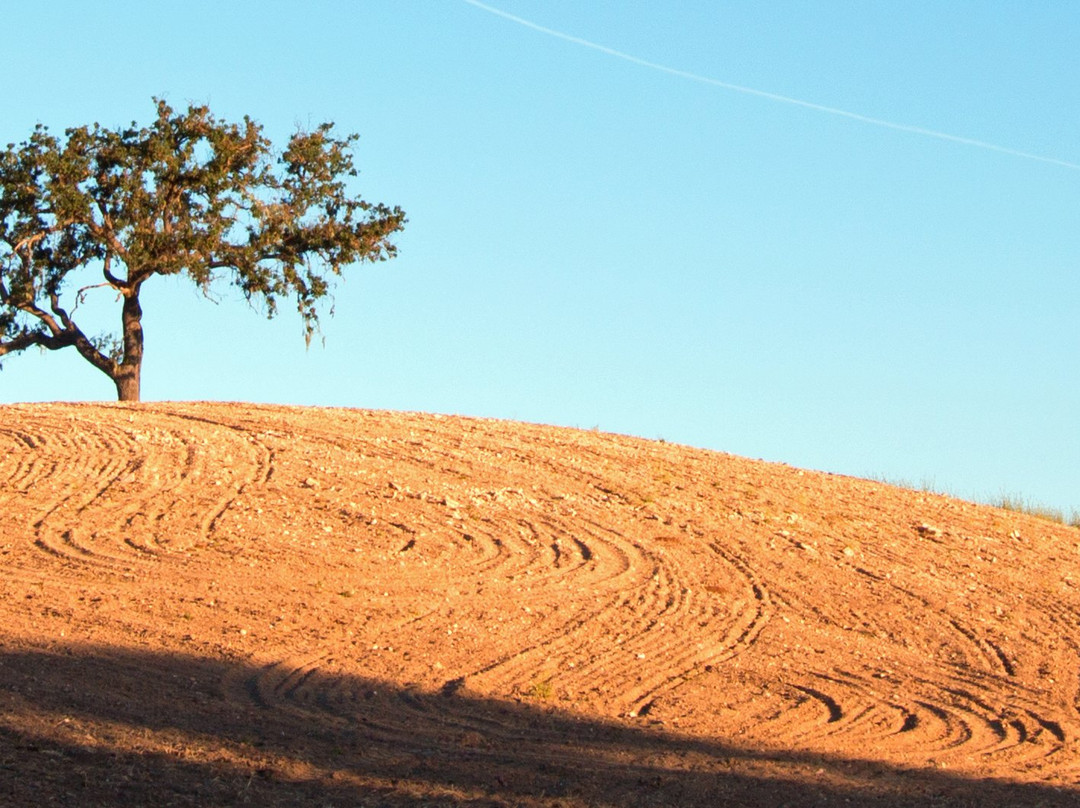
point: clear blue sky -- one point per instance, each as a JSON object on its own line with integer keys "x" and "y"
{"x": 598, "y": 242}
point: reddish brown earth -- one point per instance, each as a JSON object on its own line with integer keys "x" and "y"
{"x": 220, "y": 604}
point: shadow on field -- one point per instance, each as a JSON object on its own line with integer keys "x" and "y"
{"x": 93, "y": 726}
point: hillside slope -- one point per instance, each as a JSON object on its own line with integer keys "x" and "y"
{"x": 216, "y": 604}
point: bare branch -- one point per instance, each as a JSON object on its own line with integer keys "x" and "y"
{"x": 80, "y": 296}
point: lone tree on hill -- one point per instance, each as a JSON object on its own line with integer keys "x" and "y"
{"x": 190, "y": 194}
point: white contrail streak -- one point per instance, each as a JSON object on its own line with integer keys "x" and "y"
{"x": 783, "y": 99}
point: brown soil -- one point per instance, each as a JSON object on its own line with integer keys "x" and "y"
{"x": 220, "y": 604}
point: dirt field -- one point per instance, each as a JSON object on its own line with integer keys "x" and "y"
{"x": 220, "y": 604}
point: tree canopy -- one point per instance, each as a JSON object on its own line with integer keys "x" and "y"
{"x": 189, "y": 195}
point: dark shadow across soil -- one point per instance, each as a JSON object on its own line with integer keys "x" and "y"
{"x": 92, "y": 726}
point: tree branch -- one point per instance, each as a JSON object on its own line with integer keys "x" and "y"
{"x": 106, "y": 233}
{"x": 29, "y": 241}
{"x": 91, "y": 354}
{"x": 24, "y": 341}
{"x": 59, "y": 311}
{"x": 58, "y": 337}
{"x": 82, "y": 344}
{"x": 80, "y": 295}
{"x": 112, "y": 279}
{"x": 47, "y": 319}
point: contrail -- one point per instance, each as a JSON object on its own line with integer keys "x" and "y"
{"x": 783, "y": 99}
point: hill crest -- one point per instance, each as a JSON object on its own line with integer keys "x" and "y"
{"x": 377, "y": 573}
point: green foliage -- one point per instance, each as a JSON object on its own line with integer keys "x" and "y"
{"x": 187, "y": 195}
{"x": 541, "y": 689}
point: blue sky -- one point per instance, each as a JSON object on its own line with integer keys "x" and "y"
{"x": 596, "y": 242}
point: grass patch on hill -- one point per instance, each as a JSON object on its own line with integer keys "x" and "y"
{"x": 1012, "y": 502}
{"x": 1008, "y": 502}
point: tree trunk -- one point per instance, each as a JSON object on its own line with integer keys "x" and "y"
{"x": 129, "y": 370}
{"x": 127, "y": 384}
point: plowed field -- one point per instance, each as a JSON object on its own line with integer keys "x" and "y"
{"x": 222, "y": 604}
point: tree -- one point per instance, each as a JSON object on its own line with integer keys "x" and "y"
{"x": 188, "y": 195}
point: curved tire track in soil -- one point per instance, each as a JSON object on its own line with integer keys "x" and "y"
{"x": 115, "y": 490}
